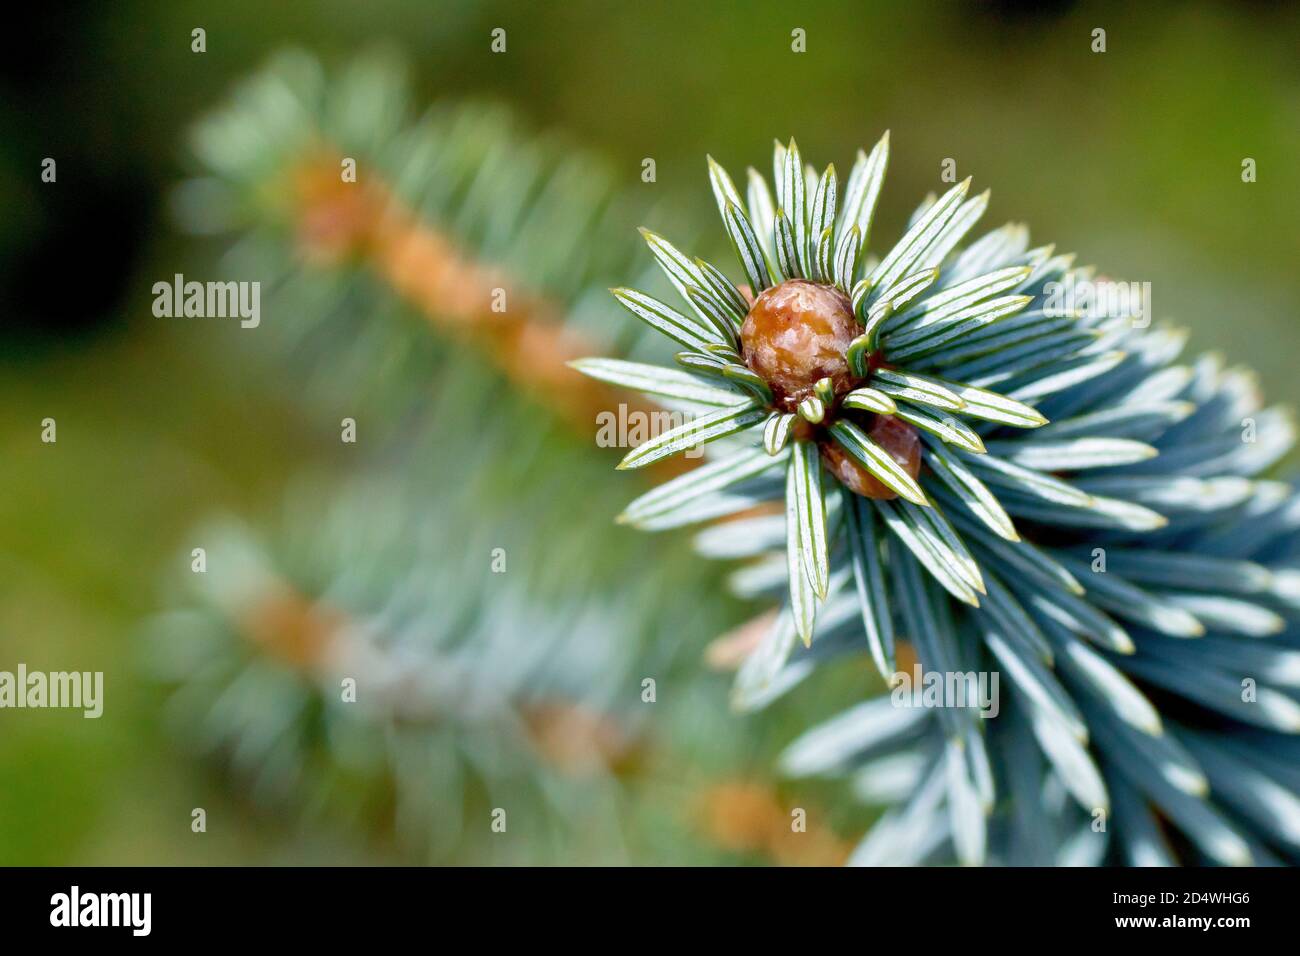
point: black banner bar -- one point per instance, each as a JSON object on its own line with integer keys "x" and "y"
{"x": 335, "y": 905}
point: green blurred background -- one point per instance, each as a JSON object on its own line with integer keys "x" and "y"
{"x": 1130, "y": 157}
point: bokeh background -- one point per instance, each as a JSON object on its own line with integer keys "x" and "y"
{"x": 1130, "y": 157}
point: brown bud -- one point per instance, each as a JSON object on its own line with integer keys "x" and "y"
{"x": 795, "y": 334}
{"x": 892, "y": 434}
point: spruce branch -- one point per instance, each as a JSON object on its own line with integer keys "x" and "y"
{"x": 962, "y": 456}
{"x": 497, "y": 239}
{"x": 342, "y": 667}
{"x": 428, "y": 269}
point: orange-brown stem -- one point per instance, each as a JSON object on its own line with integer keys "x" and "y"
{"x": 364, "y": 222}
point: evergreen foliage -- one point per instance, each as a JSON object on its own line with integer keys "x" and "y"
{"x": 1092, "y": 520}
